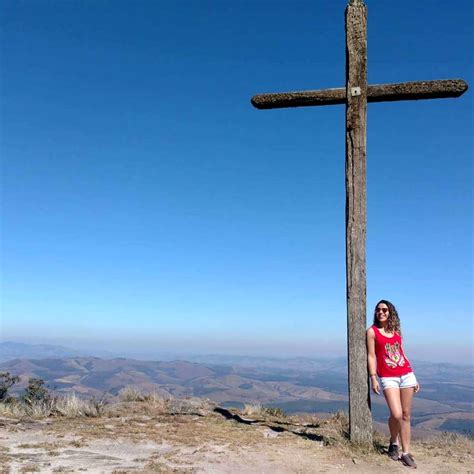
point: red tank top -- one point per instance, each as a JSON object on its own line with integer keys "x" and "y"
{"x": 391, "y": 361}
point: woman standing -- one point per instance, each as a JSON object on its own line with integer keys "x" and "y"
{"x": 397, "y": 380}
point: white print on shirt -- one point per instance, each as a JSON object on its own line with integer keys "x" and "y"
{"x": 394, "y": 357}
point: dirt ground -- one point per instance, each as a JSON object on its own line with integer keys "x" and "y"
{"x": 130, "y": 441}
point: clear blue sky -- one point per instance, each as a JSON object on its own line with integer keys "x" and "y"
{"x": 146, "y": 204}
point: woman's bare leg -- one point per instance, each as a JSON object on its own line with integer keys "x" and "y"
{"x": 406, "y": 397}
{"x": 392, "y": 396}
{"x": 394, "y": 426}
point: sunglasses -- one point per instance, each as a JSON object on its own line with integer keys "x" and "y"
{"x": 384, "y": 310}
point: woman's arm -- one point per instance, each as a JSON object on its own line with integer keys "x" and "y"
{"x": 372, "y": 361}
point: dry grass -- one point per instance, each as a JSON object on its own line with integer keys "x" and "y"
{"x": 157, "y": 466}
{"x": 73, "y": 406}
{"x": 334, "y": 431}
{"x": 131, "y": 394}
{"x": 339, "y": 423}
{"x": 47, "y": 446}
{"x": 446, "y": 440}
{"x": 4, "y": 459}
{"x": 252, "y": 409}
{"x": 154, "y": 403}
{"x": 452, "y": 445}
{"x": 257, "y": 409}
{"x": 69, "y": 406}
{"x": 30, "y": 468}
{"x": 153, "y": 400}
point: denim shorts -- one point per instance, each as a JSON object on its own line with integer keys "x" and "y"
{"x": 405, "y": 381}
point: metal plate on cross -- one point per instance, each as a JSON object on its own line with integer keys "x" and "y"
{"x": 355, "y": 91}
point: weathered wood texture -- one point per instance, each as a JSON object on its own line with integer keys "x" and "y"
{"x": 360, "y": 418}
{"x": 418, "y": 90}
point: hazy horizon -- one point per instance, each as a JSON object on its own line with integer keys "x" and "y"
{"x": 272, "y": 349}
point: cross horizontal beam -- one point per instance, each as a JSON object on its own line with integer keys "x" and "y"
{"x": 439, "y": 89}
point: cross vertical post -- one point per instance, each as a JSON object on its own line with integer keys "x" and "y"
{"x": 360, "y": 418}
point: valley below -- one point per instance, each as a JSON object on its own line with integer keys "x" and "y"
{"x": 296, "y": 386}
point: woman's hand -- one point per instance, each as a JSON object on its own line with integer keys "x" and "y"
{"x": 375, "y": 386}
{"x": 417, "y": 388}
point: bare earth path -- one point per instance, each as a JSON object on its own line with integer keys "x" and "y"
{"x": 137, "y": 442}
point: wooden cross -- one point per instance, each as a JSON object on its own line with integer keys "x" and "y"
{"x": 355, "y": 95}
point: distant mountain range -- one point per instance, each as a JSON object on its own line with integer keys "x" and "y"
{"x": 18, "y": 350}
{"x": 445, "y": 402}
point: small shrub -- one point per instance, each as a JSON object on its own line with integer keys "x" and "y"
{"x": 6, "y": 382}
{"x": 98, "y": 404}
{"x": 189, "y": 406}
{"x": 340, "y": 422}
{"x": 36, "y": 393}
{"x": 152, "y": 400}
{"x": 71, "y": 406}
{"x": 131, "y": 394}
{"x": 40, "y": 408}
{"x": 258, "y": 409}
{"x": 273, "y": 411}
{"x": 156, "y": 401}
{"x": 253, "y": 409}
